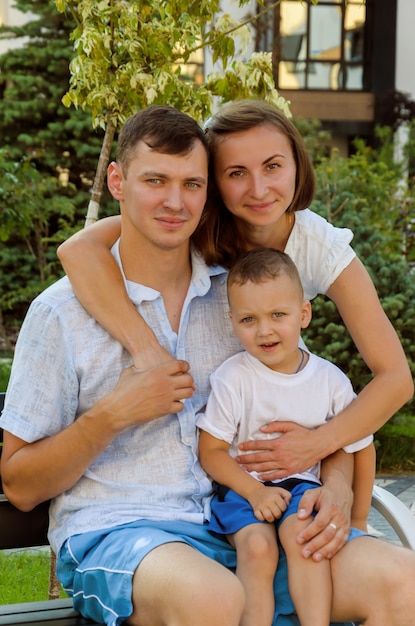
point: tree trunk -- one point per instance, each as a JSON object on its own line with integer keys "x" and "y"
{"x": 93, "y": 206}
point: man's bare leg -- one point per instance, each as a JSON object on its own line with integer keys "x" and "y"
{"x": 175, "y": 585}
{"x": 373, "y": 582}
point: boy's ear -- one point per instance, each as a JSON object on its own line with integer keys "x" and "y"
{"x": 115, "y": 180}
{"x": 230, "y": 314}
{"x": 306, "y": 314}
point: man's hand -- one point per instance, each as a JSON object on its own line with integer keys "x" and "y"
{"x": 140, "y": 397}
{"x": 269, "y": 503}
{"x": 293, "y": 452}
{"x": 330, "y": 528}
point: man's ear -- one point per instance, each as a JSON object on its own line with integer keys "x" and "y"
{"x": 114, "y": 180}
{"x": 306, "y": 314}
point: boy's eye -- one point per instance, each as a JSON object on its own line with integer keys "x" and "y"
{"x": 247, "y": 320}
{"x": 278, "y": 314}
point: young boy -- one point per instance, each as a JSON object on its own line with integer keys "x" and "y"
{"x": 273, "y": 379}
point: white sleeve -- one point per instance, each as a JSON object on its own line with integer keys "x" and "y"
{"x": 341, "y": 399}
{"x": 220, "y": 418}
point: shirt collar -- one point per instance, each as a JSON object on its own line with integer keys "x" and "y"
{"x": 200, "y": 281}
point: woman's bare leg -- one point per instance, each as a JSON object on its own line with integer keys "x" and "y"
{"x": 373, "y": 583}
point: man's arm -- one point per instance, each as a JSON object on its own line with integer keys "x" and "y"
{"x": 34, "y": 472}
{"x": 329, "y": 530}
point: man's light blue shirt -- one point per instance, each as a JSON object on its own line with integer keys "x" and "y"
{"x": 65, "y": 362}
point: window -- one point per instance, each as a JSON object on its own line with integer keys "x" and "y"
{"x": 317, "y": 46}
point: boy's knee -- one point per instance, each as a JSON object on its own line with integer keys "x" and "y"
{"x": 258, "y": 546}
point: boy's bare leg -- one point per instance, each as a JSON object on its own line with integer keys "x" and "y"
{"x": 257, "y": 560}
{"x": 363, "y": 479}
{"x": 309, "y": 582}
{"x": 175, "y": 585}
{"x": 373, "y": 583}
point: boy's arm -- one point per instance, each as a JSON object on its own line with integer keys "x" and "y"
{"x": 267, "y": 503}
{"x": 363, "y": 481}
{"x": 99, "y": 286}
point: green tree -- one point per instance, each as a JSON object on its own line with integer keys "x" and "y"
{"x": 133, "y": 54}
{"x": 32, "y": 210}
{"x": 34, "y": 77}
{"x": 48, "y": 156}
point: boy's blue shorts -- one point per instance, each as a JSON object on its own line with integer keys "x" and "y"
{"x": 97, "y": 568}
{"x": 231, "y": 512}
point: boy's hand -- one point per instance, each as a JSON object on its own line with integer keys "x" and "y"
{"x": 269, "y": 503}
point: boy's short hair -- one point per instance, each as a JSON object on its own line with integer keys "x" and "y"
{"x": 163, "y": 128}
{"x": 263, "y": 264}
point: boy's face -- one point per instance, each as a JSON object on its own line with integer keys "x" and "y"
{"x": 267, "y": 318}
{"x": 161, "y": 196}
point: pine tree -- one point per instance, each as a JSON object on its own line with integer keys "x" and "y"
{"x": 40, "y": 140}
{"x": 33, "y": 121}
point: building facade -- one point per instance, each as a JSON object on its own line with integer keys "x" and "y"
{"x": 347, "y": 63}
{"x": 340, "y": 61}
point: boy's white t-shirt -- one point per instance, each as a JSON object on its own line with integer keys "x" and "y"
{"x": 246, "y": 394}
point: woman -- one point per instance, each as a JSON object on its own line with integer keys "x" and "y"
{"x": 261, "y": 185}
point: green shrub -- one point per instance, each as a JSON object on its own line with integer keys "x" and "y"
{"x": 362, "y": 193}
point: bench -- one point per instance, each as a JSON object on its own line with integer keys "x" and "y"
{"x": 21, "y": 530}
{"x": 27, "y": 530}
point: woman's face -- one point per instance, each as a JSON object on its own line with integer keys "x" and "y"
{"x": 255, "y": 173}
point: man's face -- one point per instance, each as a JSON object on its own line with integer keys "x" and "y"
{"x": 162, "y": 195}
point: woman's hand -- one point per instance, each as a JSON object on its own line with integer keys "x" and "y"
{"x": 294, "y": 451}
{"x": 151, "y": 355}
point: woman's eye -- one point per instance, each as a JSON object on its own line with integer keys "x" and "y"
{"x": 273, "y": 166}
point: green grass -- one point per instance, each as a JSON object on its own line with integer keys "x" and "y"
{"x": 24, "y": 576}
{"x": 5, "y": 366}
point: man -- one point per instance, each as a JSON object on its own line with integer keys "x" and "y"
{"x": 116, "y": 449}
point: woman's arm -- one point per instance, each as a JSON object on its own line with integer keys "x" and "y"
{"x": 355, "y": 296}
{"x": 374, "y": 336}
{"x": 99, "y": 286}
